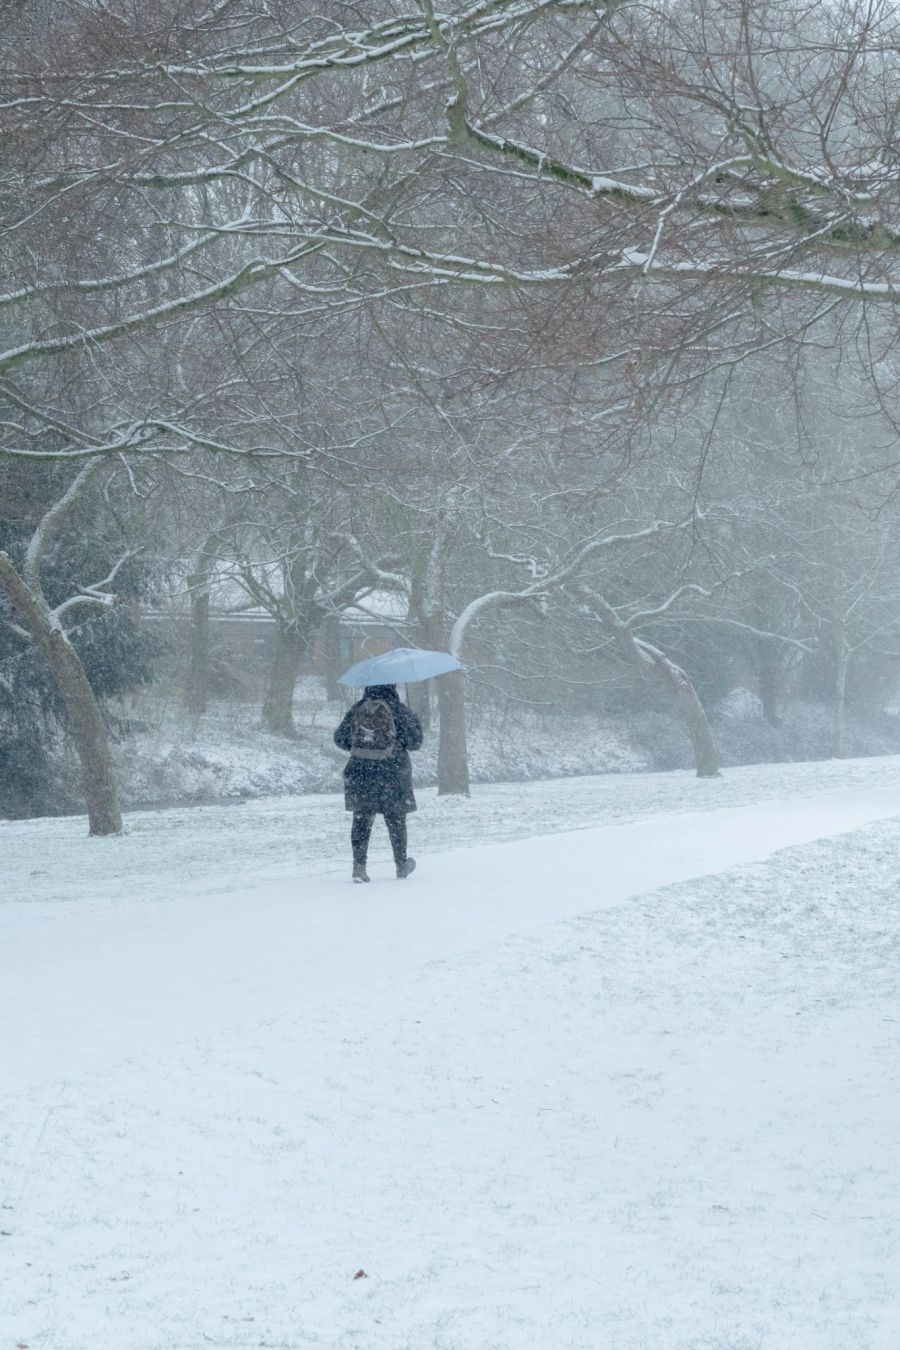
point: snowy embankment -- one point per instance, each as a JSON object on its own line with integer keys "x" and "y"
{"x": 228, "y": 755}
{"x": 535, "y": 1111}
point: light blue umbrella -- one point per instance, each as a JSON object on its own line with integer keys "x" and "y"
{"x": 403, "y": 665}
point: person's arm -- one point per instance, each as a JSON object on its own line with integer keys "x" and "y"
{"x": 342, "y": 735}
{"x": 410, "y": 729}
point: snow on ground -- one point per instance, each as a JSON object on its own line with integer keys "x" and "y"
{"x": 268, "y": 838}
{"x": 535, "y": 1111}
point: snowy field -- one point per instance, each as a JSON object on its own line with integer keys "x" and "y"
{"x": 617, "y": 1069}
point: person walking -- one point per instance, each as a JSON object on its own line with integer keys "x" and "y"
{"x": 379, "y": 731}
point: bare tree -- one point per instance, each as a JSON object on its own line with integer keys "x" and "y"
{"x": 266, "y": 238}
{"x": 299, "y": 557}
{"x": 503, "y": 172}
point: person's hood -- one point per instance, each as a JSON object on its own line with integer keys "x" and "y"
{"x": 384, "y": 691}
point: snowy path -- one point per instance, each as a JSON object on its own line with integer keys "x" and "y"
{"x": 536, "y": 1116}
{"x": 225, "y": 953}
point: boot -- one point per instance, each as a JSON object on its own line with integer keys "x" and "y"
{"x": 359, "y": 872}
{"x": 404, "y": 868}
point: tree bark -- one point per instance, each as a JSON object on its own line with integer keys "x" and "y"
{"x": 453, "y": 753}
{"x": 689, "y": 708}
{"x": 278, "y": 705}
{"x": 197, "y": 690}
{"x": 453, "y": 749}
{"x": 331, "y": 655}
{"x": 85, "y": 720}
{"x": 768, "y": 670}
{"x": 420, "y": 701}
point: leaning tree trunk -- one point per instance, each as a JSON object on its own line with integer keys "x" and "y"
{"x": 689, "y": 707}
{"x": 693, "y": 714}
{"x": 89, "y": 732}
{"x": 288, "y": 651}
{"x": 85, "y": 720}
{"x": 453, "y": 753}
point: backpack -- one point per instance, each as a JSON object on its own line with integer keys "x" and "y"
{"x": 373, "y": 733}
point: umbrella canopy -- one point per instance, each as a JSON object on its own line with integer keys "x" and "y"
{"x": 403, "y": 665}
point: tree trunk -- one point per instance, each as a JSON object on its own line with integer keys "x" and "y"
{"x": 453, "y": 750}
{"x": 197, "y": 690}
{"x": 420, "y": 702}
{"x": 85, "y": 720}
{"x": 331, "y": 657}
{"x": 453, "y": 753}
{"x": 89, "y": 732}
{"x": 768, "y": 669}
{"x": 278, "y": 706}
{"x": 839, "y": 705}
{"x": 689, "y": 707}
{"x": 693, "y": 714}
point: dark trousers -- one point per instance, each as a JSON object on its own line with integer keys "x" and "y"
{"x": 362, "y": 829}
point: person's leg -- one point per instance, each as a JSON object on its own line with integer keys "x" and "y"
{"x": 396, "y": 828}
{"x": 396, "y": 824}
{"x": 359, "y": 839}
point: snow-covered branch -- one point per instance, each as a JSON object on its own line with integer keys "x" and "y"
{"x": 50, "y": 524}
{"x": 98, "y": 595}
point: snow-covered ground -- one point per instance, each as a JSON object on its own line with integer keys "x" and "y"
{"x": 607, "y": 1073}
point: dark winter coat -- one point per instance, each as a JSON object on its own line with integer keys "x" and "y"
{"x": 379, "y": 785}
